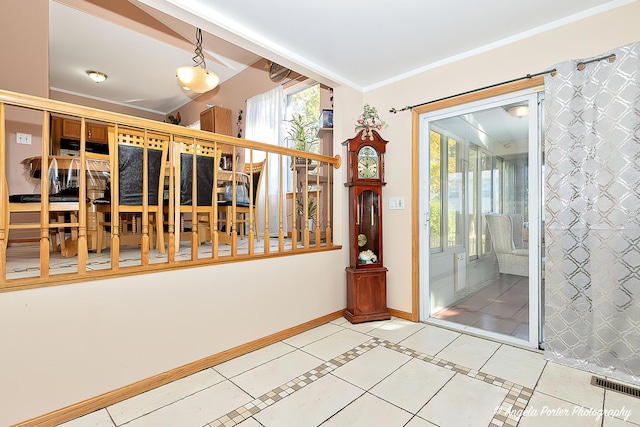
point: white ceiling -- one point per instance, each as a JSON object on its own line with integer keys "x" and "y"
{"x": 360, "y": 43}
{"x": 141, "y": 68}
{"x": 494, "y": 129}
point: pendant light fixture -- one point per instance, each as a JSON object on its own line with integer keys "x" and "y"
{"x": 197, "y": 78}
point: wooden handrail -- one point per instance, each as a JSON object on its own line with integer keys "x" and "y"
{"x": 60, "y": 107}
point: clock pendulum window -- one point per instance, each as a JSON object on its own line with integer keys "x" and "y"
{"x": 366, "y": 274}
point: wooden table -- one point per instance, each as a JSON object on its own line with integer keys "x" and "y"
{"x": 65, "y": 163}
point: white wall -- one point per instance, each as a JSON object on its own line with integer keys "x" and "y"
{"x": 589, "y": 37}
{"x": 63, "y": 344}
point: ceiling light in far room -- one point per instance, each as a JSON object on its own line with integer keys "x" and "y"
{"x": 197, "y": 78}
{"x": 519, "y": 111}
{"x": 97, "y": 76}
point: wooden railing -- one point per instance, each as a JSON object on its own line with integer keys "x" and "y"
{"x": 108, "y": 236}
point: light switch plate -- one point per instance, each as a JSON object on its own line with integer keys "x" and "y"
{"x": 396, "y": 202}
{"x": 23, "y": 138}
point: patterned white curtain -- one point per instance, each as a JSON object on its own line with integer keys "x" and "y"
{"x": 592, "y": 206}
{"x": 265, "y": 118}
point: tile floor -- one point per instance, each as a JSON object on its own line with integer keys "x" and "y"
{"x": 24, "y": 260}
{"x": 387, "y": 374}
{"x": 501, "y": 306}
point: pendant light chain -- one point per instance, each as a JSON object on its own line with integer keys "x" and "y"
{"x": 199, "y": 57}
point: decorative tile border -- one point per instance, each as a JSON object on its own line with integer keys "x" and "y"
{"x": 514, "y": 403}
{"x": 512, "y": 407}
{"x": 507, "y": 414}
{"x": 278, "y": 393}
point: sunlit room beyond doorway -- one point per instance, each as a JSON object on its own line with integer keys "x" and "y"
{"x": 484, "y": 215}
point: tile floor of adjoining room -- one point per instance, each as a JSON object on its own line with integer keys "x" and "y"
{"x": 502, "y": 306}
{"x": 385, "y": 373}
{"x": 24, "y": 260}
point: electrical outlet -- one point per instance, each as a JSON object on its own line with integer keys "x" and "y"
{"x": 396, "y": 202}
{"x": 23, "y": 138}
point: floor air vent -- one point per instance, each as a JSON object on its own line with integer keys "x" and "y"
{"x": 620, "y": 388}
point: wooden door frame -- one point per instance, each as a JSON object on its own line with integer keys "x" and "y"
{"x": 415, "y": 168}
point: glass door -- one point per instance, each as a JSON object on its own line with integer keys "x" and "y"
{"x": 482, "y": 263}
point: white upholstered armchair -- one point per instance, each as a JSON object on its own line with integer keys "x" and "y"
{"x": 511, "y": 260}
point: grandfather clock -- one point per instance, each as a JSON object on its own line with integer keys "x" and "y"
{"x": 366, "y": 275}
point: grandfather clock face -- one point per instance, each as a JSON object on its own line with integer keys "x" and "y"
{"x": 368, "y": 163}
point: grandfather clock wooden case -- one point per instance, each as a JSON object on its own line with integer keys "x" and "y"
{"x": 366, "y": 275}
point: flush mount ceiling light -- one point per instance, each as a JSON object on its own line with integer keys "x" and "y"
{"x": 519, "y": 111}
{"x": 197, "y": 78}
{"x": 97, "y": 76}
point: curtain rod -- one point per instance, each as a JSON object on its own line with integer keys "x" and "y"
{"x": 579, "y": 66}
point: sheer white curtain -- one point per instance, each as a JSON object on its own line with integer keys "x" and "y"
{"x": 592, "y": 283}
{"x": 264, "y": 122}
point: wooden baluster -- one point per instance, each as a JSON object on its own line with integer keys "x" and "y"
{"x": 174, "y": 152}
{"x": 44, "y": 194}
{"x": 82, "y": 204}
{"x": 305, "y": 209}
{"x": 318, "y": 204}
{"x": 213, "y": 219}
{"x": 145, "y": 201}
{"x": 280, "y": 206}
{"x": 328, "y": 236}
{"x": 4, "y": 198}
{"x": 251, "y": 236}
{"x": 194, "y": 201}
{"x": 231, "y": 222}
{"x": 294, "y": 205}
{"x": 265, "y": 179}
{"x": 115, "y": 198}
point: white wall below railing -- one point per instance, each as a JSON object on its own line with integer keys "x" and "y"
{"x": 67, "y": 343}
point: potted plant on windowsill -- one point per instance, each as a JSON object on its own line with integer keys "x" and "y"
{"x": 312, "y": 210}
{"x": 302, "y": 135}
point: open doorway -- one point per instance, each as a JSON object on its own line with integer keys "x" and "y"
{"x": 482, "y": 263}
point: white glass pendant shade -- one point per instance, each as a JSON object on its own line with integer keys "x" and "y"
{"x": 197, "y": 79}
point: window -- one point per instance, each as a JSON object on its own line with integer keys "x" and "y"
{"x": 305, "y": 102}
{"x": 472, "y": 202}
{"x": 455, "y": 194}
{"x": 434, "y": 189}
{"x": 499, "y": 178}
{"x": 446, "y": 192}
{"x": 486, "y": 195}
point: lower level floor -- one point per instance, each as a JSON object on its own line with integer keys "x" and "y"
{"x": 385, "y": 373}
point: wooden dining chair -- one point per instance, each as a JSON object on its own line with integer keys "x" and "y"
{"x": 254, "y": 173}
{"x": 207, "y": 160}
{"x": 126, "y": 203}
{"x": 61, "y": 205}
